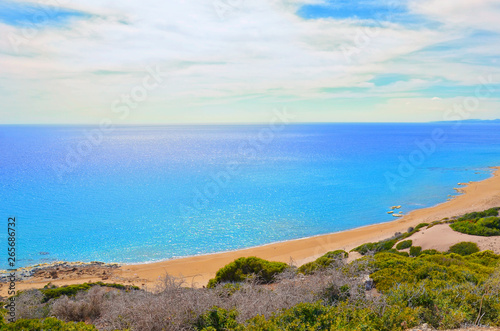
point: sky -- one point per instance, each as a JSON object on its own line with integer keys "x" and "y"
{"x": 238, "y": 61}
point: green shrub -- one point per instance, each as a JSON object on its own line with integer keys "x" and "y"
{"x": 50, "y": 323}
{"x": 421, "y": 225}
{"x": 477, "y": 215}
{"x": 338, "y": 254}
{"x": 429, "y": 252}
{"x": 323, "y": 262}
{"x": 315, "y": 316}
{"x": 485, "y": 258}
{"x": 447, "y": 307}
{"x": 485, "y": 223}
{"x": 404, "y": 244}
{"x": 53, "y": 292}
{"x": 451, "y": 290}
{"x": 464, "y": 248}
{"x": 491, "y": 222}
{"x": 244, "y": 267}
{"x": 217, "y": 319}
{"x": 443, "y": 269}
{"x": 395, "y": 251}
{"x": 377, "y": 247}
{"x": 69, "y": 290}
{"x": 415, "y": 250}
{"x": 489, "y": 226}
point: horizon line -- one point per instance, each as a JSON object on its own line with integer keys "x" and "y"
{"x": 239, "y": 123}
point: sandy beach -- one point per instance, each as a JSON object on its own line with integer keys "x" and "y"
{"x": 198, "y": 270}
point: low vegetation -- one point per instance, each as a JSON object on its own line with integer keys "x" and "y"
{"x": 384, "y": 290}
{"x": 477, "y": 215}
{"x": 415, "y": 251}
{"x": 52, "y": 324}
{"x": 388, "y": 244}
{"x": 445, "y": 290}
{"x": 244, "y": 267}
{"x": 486, "y": 223}
{"x": 323, "y": 262}
{"x": 377, "y": 247}
{"x": 427, "y": 251}
{"x": 53, "y": 292}
{"x": 487, "y": 227}
{"x": 464, "y": 248}
{"x": 404, "y": 244}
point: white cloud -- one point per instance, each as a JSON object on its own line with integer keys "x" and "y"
{"x": 256, "y": 48}
{"x": 480, "y": 14}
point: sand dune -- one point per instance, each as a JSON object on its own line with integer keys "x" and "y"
{"x": 441, "y": 237}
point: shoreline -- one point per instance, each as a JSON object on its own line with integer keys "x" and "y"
{"x": 200, "y": 268}
{"x": 197, "y": 270}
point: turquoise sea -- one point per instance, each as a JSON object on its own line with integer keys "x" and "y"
{"x": 146, "y": 193}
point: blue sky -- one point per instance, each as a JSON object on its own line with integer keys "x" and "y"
{"x": 235, "y": 61}
{"x": 363, "y": 9}
{"x": 26, "y": 14}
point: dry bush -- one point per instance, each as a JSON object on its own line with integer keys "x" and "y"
{"x": 253, "y": 299}
{"x": 173, "y": 306}
{"x": 293, "y": 288}
{"x": 170, "y": 307}
{"x": 85, "y": 306}
{"x": 29, "y": 305}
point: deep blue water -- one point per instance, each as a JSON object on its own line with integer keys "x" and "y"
{"x": 140, "y": 194}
